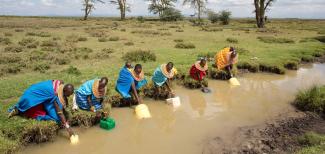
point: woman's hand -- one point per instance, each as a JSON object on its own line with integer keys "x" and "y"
{"x": 92, "y": 109}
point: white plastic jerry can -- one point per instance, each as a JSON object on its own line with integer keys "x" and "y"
{"x": 175, "y": 102}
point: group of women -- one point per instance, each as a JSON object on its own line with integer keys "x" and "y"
{"x": 48, "y": 100}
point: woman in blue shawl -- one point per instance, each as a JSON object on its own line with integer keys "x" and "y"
{"x": 161, "y": 79}
{"x": 90, "y": 95}
{"x": 45, "y": 101}
{"x": 129, "y": 82}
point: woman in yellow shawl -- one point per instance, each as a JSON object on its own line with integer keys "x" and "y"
{"x": 225, "y": 59}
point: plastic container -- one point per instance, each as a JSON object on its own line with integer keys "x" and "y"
{"x": 107, "y": 123}
{"x": 176, "y": 102}
{"x": 74, "y": 139}
{"x": 142, "y": 111}
{"x": 234, "y": 82}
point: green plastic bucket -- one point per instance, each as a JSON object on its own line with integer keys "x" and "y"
{"x": 107, "y": 123}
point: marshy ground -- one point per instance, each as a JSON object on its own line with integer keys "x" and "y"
{"x": 36, "y": 49}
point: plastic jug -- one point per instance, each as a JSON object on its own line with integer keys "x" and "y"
{"x": 107, "y": 123}
{"x": 234, "y": 81}
{"x": 74, "y": 139}
{"x": 176, "y": 102}
{"x": 142, "y": 111}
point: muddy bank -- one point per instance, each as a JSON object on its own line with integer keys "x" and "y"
{"x": 276, "y": 136}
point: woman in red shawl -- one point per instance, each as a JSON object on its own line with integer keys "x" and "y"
{"x": 199, "y": 70}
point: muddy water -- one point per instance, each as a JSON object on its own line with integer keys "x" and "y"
{"x": 201, "y": 117}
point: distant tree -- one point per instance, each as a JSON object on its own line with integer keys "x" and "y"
{"x": 213, "y": 16}
{"x": 197, "y": 4}
{"x": 171, "y": 14}
{"x": 122, "y": 6}
{"x": 225, "y": 17}
{"x": 261, "y": 6}
{"x": 89, "y": 6}
{"x": 159, "y": 6}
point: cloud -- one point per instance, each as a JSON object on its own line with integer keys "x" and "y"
{"x": 48, "y": 3}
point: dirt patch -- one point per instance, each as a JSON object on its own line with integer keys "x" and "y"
{"x": 278, "y": 136}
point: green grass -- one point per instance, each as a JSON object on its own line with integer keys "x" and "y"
{"x": 312, "y": 99}
{"x": 312, "y": 143}
{"x": 73, "y": 51}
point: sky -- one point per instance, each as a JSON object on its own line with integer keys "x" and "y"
{"x": 240, "y": 8}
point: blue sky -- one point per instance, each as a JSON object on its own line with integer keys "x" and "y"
{"x": 239, "y": 8}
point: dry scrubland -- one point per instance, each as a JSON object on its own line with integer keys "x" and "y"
{"x": 36, "y": 49}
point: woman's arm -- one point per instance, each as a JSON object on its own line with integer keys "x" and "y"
{"x": 63, "y": 119}
{"x": 136, "y": 93}
{"x": 92, "y": 108}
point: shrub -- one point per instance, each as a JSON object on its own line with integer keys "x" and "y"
{"x": 9, "y": 59}
{"x": 16, "y": 49}
{"x": 72, "y": 70}
{"x": 82, "y": 39}
{"x": 320, "y": 38}
{"x": 29, "y": 43}
{"x": 307, "y": 58}
{"x": 39, "y": 34}
{"x": 5, "y": 41}
{"x": 189, "y": 82}
{"x": 271, "y": 68}
{"x": 185, "y": 45}
{"x": 19, "y": 30}
{"x": 8, "y": 34}
{"x": 179, "y": 30}
{"x": 171, "y": 14}
{"x": 41, "y": 67}
{"x": 312, "y": 99}
{"x": 225, "y": 17}
{"x": 232, "y": 40}
{"x": 105, "y": 53}
{"x": 13, "y": 69}
{"x": 129, "y": 43}
{"x": 211, "y": 29}
{"x": 62, "y": 60}
{"x": 49, "y": 43}
{"x": 114, "y": 38}
{"x": 213, "y": 16}
{"x": 291, "y": 65}
{"x": 139, "y": 55}
{"x": 270, "y": 39}
{"x": 140, "y": 19}
{"x": 208, "y": 55}
{"x": 311, "y": 139}
{"x": 123, "y": 30}
{"x": 178, "y": 40}
{"x": 151, "y": 32}
{"x": 252, "y": 67}
{"x": 102, "y": 39}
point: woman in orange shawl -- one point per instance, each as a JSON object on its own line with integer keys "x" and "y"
{"x": 225, "y": 59}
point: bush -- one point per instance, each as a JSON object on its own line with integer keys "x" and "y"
{"x": 312, "y": 99}
{"x": 171, "y": 14}
{"x": 271, "y": 39}
{"x": 8, "y": 34}
{"x": 307, "y": 58}
{"x": 211, "y": 29}
{"x": 140, "y": 19}
{"x": 232, "y": 40}
{"x": 139, "y": 55}
{"x": 19, "y": 30}
{"x": 41, "y": 67}
{"x": 213, "y": 16}
{"x": 114, "y": 38}
{"x": 39, "y": 34}
{"x": 178, "y": 40}
{"x": 49, "y": 43}
{"x": 151, "y": 32}
{"x": 185, "y": 45}
{"x": 62, "y": 60}
{"x": 129, "y": 43}
{"x": 208, "y": 55}
{"x": 72, "y": 70}
{"x": 320, "y": 38}
{"x": 311, "y": 139}
{"x": 29, "y": 43}
{"x": 5, "y": 41}
{"x": 225, "y": 17}
{"x": 189, "y": 82}
{"x": 291, "y": 65}
{"x": 252, "y": 67}
{"x": 12, "y": 69}
{"x": 16, "y": 49}
{"x": 179, "y": 30}
{"x": 81, "y": 39}
{"x": 102, "y": 39}
{"x": 9, "y": 59}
